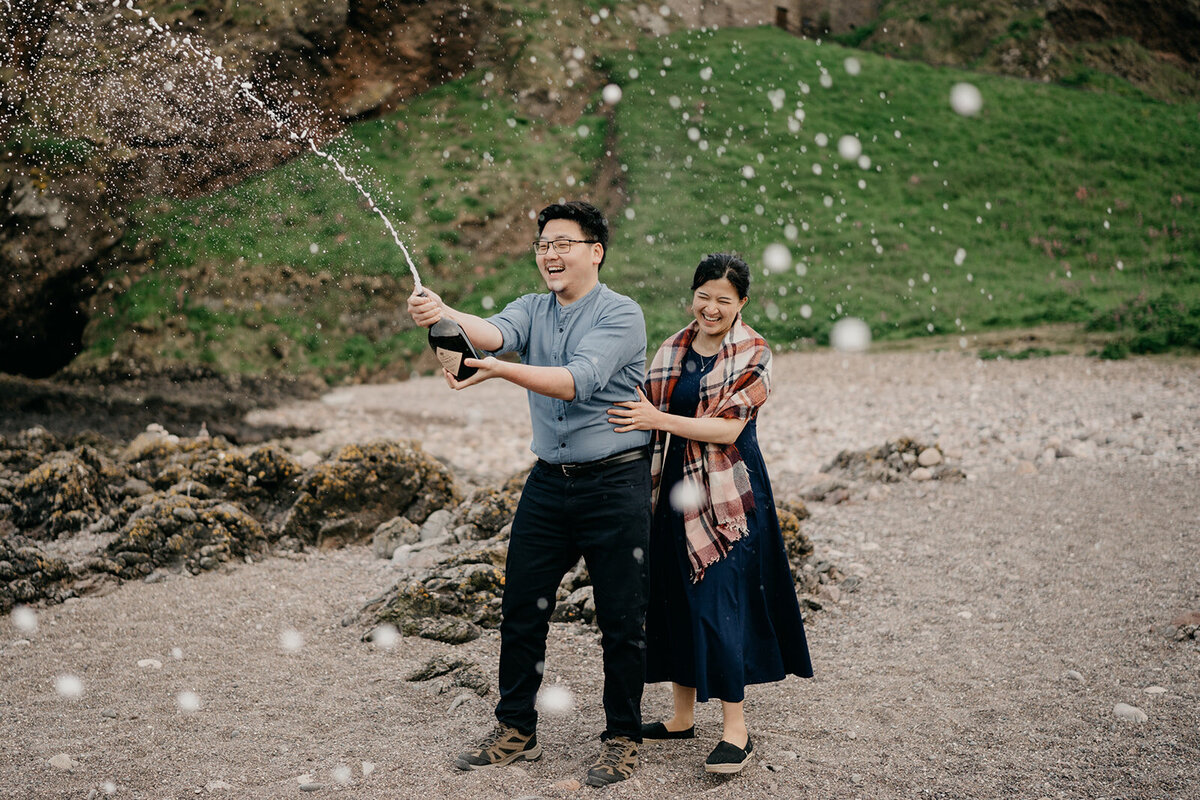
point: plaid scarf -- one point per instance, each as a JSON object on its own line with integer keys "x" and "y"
{"x": 713, "y": 474}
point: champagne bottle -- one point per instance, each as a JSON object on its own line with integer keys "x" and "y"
{"x": 451, "y": 345}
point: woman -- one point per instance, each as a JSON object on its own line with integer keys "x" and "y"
{"x": 723, "y": 611}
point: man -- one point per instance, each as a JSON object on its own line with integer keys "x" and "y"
{"x": 582, "y": 348}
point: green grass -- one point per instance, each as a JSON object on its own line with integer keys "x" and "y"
{"x": 1025, "y": 189}
{"x": 1067, "y": 205}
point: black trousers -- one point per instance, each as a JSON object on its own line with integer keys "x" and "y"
{"x": 603, "y": 515}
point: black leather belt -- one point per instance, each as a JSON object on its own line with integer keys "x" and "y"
{"x": 570, "y": 470}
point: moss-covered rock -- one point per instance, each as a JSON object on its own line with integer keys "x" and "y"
{"x": 181, "y": 531}
{"x": 27, "y": 575}
{"x": 346, "y": 498}
{"x": 66, "y": 492}
{"x": 797, "y": 543}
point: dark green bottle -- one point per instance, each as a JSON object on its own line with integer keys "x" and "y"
{"x": 451, "y": 345}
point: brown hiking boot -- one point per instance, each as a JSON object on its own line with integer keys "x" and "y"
{"x": 617, "y": 761}
{"x": 504, "y": 745}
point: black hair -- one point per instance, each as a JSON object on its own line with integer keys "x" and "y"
{"x": 591, "y": 221}
{"x": 715, "y": 266}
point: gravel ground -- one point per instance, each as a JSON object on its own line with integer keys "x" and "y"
{"x": 1001, "y": 621}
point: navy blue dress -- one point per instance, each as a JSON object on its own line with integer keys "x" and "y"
{"x": 741, "y": 623}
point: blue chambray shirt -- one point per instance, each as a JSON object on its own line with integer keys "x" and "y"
{"x": 601, "y": 340}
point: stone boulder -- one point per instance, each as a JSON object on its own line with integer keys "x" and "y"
{"x": 346, "y": 498}
{"x": 66, "y": 492}
{"x": 28, "y": 575}
{"x": 893, "y": 461}
{"x": 174, "y": 530}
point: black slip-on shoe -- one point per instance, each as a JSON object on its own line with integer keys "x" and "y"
{"x": 727, "y": 758}
{"x": 504, "y": 745}
{"x": 656, "y": 730}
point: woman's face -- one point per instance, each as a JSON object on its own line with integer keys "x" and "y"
{"x": 715, "y": 305}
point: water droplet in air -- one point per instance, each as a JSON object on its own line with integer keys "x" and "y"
{"x": 612, "y": 94}
{"x": 853, "y": 65}
{"x": 24, "y": 619}
{"x": 686, "y": 496}
{"x": 777, "y": 258}
{"x": 385, "y": 636}
{"x": 556, "y": 699}
{"x": 965, "y": 99}
{"x": 291, "y": 640}
{"x": 850, "y": 335}
{"x": 68, "y": 686}
{"x": 849, "y": 147}
{"x": 188, "y": 702}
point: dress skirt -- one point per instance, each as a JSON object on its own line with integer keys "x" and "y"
{"x": 741, "y": 623}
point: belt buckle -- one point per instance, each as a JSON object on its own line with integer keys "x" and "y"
{"x": 566, "y": 470}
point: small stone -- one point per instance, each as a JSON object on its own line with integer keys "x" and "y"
{"x": 311, "y": 787}
{"x": 930, "y": 457}
{"x": 64, "y": 762}
{"x": 568, "y": 785}
{"x": 1154, "y": 690}
{"x": 216, "y": 786}
{"x": 1026, "y": 468}
{"x": 1129, "y": 713}
{"x": 877, "y": 493}
{"x": 1048, "y": 456}
{"x": 458, "y": 701}
{"x": 1074, "y": 675}
{"x": 150, "y": 663}
{"x": 830, "y": 593}
{"x": 1186, "y": 618}
{"x": 109, "y": 713}
{"x": 921, "y": 474}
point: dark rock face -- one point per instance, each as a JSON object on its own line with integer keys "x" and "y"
{"x": 1168, "y": 28}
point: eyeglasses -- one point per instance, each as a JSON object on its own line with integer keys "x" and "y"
{"x": 561, "y": 246}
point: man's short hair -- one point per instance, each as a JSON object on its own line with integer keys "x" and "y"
{"x": 591, "y": 221}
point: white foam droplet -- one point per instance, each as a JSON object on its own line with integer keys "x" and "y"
{"x": 612, "y": 94}
{"x": 556, "y": 699}
{"x": 850, "y": 335}
{"x": 849, "y": 147}
{"x": 291, "y": 640}
{"x": 853, "y": 65}
{"x": 777, "y": 258}
{"x": 385, "y": 636}
{"x": 24, "y": 619}
{"x": 960, "y": 256}
{"x": 68, "y": 686}
{"x": 686, "y": 496}
{"x": 189, "y": 702}
{"x": 965, "y": 99}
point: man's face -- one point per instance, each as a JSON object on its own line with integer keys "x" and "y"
{"x": 569, "y": 275}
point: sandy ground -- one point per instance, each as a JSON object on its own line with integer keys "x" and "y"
{"x": 1002, "y": 620}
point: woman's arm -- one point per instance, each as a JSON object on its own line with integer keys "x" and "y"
{"x": 642, "y": 415}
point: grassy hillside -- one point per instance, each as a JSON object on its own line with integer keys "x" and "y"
{"x": 1050, "y": 205}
